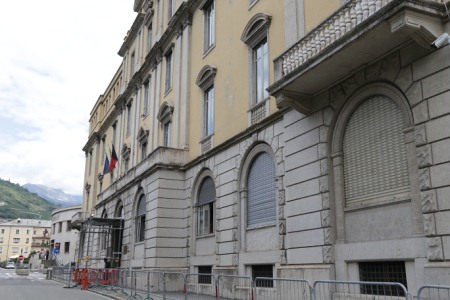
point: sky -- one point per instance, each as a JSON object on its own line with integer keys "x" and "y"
{"x": 56, "y": 58}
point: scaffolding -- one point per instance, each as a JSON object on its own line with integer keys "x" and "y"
{"x": 107, "y": 233}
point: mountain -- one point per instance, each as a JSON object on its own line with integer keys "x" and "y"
{"x": 18, "y": 202}
{"x": 55, "y": 196}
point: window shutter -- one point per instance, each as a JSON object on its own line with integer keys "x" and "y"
{"x": 207, "y": 192}
{"x": 374, "y": 150}
{"x": 261, "y": 204}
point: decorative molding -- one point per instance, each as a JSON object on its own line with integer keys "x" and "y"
{"x": 429, "y": 224}
{"x": 328, "y": 236}
{"x": 434, "y": 249}
{"x": 300, "y": 102}
{"x": 323, "y": 184}
{"x": 256, "y": 29}
{"x": 327, "y": 252}
{"x": 420, "y": 135}
{"x": 325, "y": 218}
{"x": 205, "y": 77}
{"x": 429, "y": 202}
{"x": 424, "y": 157}
{"x": 424, "y": 179}
{"x": 325, "y": 201}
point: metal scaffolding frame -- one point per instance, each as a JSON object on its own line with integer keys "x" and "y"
{"x": 108, "y": 234}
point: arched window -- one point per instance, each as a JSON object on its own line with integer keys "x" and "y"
{"x": 205, "y": 210}
{"x": 140, "y": 219}
{"x": 119, "y": 210}
{"x": 261, "y": 187}
{"x": 374, "y": 152}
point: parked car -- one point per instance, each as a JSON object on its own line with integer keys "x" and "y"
{"x": 10, "y": 265}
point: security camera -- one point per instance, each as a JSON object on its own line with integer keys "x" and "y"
{"x": 441, "y": 41}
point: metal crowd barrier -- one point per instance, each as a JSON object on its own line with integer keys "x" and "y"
{"x": 281, "y": 289}
{"x": 142, "y": 284}
{"x": 234, "y": 287}
{"x": 433, "y": 292}
{"x": 357, "y": 290}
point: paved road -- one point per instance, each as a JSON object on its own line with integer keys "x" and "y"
{"x": 35, "y": 287}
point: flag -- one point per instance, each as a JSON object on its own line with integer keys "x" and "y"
{"x": 113, "y": 161}
{"x": 106, "y": 166}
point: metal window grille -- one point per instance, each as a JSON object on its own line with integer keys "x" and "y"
{"x": 261, "y": 205}
{"x": 205, "y": 279}
{"x": 263, "y": 271}
{"x": 387, "y": 271}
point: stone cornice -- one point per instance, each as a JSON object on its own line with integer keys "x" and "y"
{"x": 95, "y": 137}
{"x": 131, "y": 34}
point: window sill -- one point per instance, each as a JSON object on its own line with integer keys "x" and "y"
{"x": 207, "y": 51}
{"x": 261, "y": 226}
{"x": 204, "y": 236}
{"x": 139, "y": 243}
{"x": 167, "y": 92}
{"x": 369, "y": 203}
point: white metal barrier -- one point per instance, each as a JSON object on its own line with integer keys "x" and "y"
{"x": 143, "y": 284}
{"x": 281, "y": 289}
{"x": 433, "y": 292}
{"x": 359, "y": 290}
{"x": 234, "y": 287}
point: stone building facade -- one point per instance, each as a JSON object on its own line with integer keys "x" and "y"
{"x": 340, "y": 170}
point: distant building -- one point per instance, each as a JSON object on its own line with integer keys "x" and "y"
{"x": 63, "y": 234}
{"x": 22, "y": 237}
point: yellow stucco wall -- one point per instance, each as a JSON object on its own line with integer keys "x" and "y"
{"x": 318, "y": 10}
{"x": 231, "y": 58}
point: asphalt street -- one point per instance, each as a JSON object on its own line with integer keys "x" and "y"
{"x": 36, "y": 287}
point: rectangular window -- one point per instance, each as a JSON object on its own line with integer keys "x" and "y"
{"x": 60, "y": 227}
{"x": 143, "y": 150}
{"x": 16, "y": 240}
{"x": 209, "y": 111}
{"x": 17, "y": 231}
{"x": 69, "y": 226}
{"x": 149, "y": 37}
{"x": 263, "y": 271}
{"x": 132, "y": 63}
{"x": 27, "y": 240}
{"x": 1, "y": 239}
{"x": 166, "y": 134}
{"x": 261, "y": 71}
{"x": 15, "y": 250}
{"x": 54, "y": 228}
{"x": 146, "y": 94}
{"x": 66, "y": 247}
{"x": 205, "y": 218}
{"x": 129, "y": 119}
{"x": 386, "y": 271}
{"x": 28, "y": 231}
{"x": 1, "y": 250}
{"x": 25, "y": 250}
{"x": 3, "y": 231}
{"x": 126, "y": 164}
{"x": 209, "y": 25}
{"x": 205, "y": 279}
{"x": 170, "y": 9}
{"x": 168, "y": 71}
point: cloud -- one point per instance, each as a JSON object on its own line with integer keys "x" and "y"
{"x": 55, "y": 63}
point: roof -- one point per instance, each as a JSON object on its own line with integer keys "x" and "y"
{"x": 28, "y": 222}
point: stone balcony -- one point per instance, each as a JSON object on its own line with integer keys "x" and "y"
{"x": 358, "y": 33}
{"x": 78, "y": 218}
